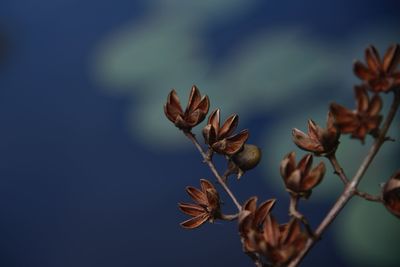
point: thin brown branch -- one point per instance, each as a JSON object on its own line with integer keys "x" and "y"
{"x": 211, "y": 165}
{"x": 338, "y": 170}
{"x": 351, "y": 187}
{"x": 229, "y": 217}
{"x": 293, "y": 211}
{"x": 367, "y": 196}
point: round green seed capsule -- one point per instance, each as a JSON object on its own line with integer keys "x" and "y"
{"x": 248, "y": 157}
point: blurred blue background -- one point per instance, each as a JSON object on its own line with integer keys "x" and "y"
{"x": 90, "y": 169}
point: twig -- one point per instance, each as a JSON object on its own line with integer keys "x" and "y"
{"x": 211, "y": 165}
{"x": 337, "y": 168}
{"x": 229, "y": 217}
{"x": 294, "y": 200}
{"x": 367, "y": 196}
{"x": 351, "y": 187}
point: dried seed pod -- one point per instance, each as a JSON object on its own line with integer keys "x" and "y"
{"x": 300, "y": 179}
{"x": 220, "y": 138}
{"x": 206, "y": 206}
{"x": 391, "y": 194}
{"x": 195, "y": 112}
{"x": 380, "y": 75}
{"x": 261, "y": 233}
{"x": 318, "y": 140}
{"x": 362, "y": 121}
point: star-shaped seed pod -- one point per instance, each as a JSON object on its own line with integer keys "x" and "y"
{"x": 391, "y": 194}
{"x": 380, "y": 75}
{"x": 365, "y": 119}
{"x": 220, "y": 138}
{"x": 251, "y": 220}
{"x": 260, "y": 233}
{"x": 206, "y": 206}
{"x": 195, "y": 112}
{"x": 320, "y": 141}
{"x": 282, "y": 242}
{"x": 300, "y": 179}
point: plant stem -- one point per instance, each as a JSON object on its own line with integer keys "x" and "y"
{"x": 229, "y": 217}
{"x": 351, "y": 186}
{"x": 339, "y": 171}
{"x": 337, "y": 168}
{"x": 294, "y": 201}
{"x": 211, "y": 165}
{"x": 367, "y": 196}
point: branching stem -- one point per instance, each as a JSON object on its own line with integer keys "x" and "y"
{"x": 351, "y": 187}
{"x": 293, "y": 211}
{"x": 337, "y": 168}
{"x": 367, "y": 196}
{"x": 211, "y": 165}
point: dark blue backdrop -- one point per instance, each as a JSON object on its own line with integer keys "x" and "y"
{"x": 77, "y": 187}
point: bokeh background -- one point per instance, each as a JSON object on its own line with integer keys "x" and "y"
{"x": 90, "y": 169}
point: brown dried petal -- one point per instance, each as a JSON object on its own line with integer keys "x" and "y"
{"x": 204, "y": 105}
{"x": 214, "y": 119}
{"x": 181, "y": 123}
{"x": 212, "y": 198}
{"x": 349, "y": 127}
{"x": 362, "y": 71}
{"x": 172, "y": 108}
{"x": 194, "y": 100}
{"x": 291, "y": 232}
{"x": 236, "y": 142}
{"x": 194, "y": 118}
{"x": 331, "y": 134}
{"x": 245, "y": 222}
{"x": 313, "y": 130}
{"x": 391, "y": 58}
{"x": 263, "y": 211}
{"x": 293, "y": 182}
{"x": 232, "y": 144}
{"x": 305, "y": 164}
{"x": 250, "y": 204}
{"x": 229, "y": 126}
{"x": 205, "y": 184}
{"x": 271, "y": 232}
{"x": 362, "y": 99}
{"x": 196, "y": 195}
{"x": 372, "y": 58}
{"x": 173, "y": 101}
{"x": 195, "y": 221}
{"x": 330, "y": 123}
{"x": 341, "y": 114}
{"x": 314, "y": 177}
{"x": 303, "y": 141}
{"x": 209, "y": 134}
{"x": 288, "y": 164}
{"x": 375, "y": 105}
{"x": 191, "y": 209}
